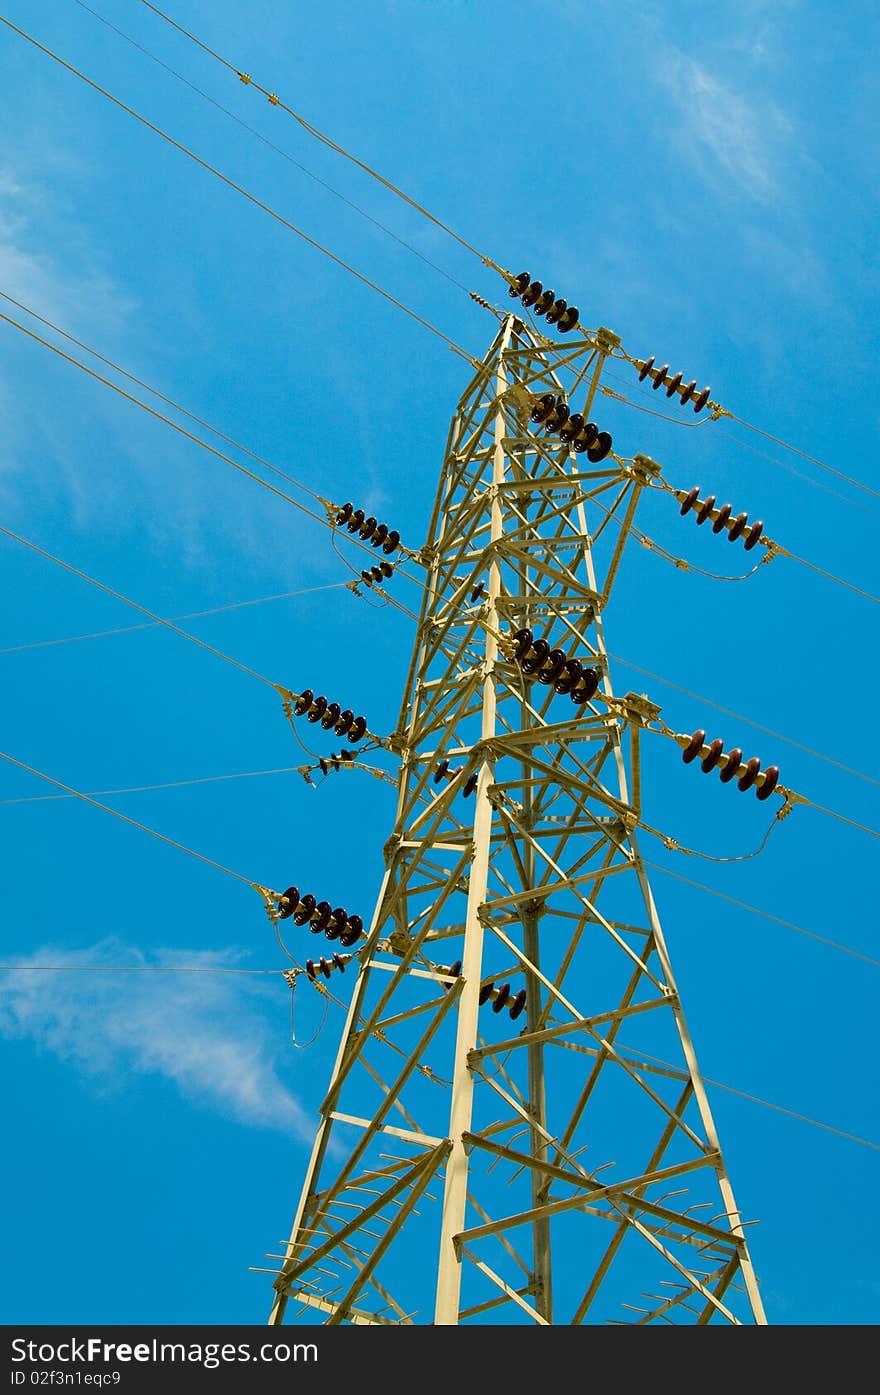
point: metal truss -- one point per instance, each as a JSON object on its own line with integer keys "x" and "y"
{"x": 469, "y": 1167}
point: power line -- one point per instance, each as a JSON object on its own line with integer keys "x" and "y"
{"x": 144, "y": 828}
{"x": 166, "y": 785}
{"x": 192, "y": 615}
{"x": 156, "y": 619}
{"x": 239, "y": 189}
{"x": 766, "y": 915}
{"x": 276, "y": 101}
{"x": 728, "y": 712}
{"x": 197, "y": 440}
{"x": 206, "y": 96}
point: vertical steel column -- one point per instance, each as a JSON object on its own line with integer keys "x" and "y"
{"x": 455, "y": 1194}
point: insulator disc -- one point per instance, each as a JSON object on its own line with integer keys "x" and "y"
{"x": 771, "y": 778}
{"x": 470, "y": 784}
{"x": 751, "y": 774}
{"x": 486, "y": 992}
{"x": 544, "y": 302}
{"x": 586, "y": 686}
{"x": 355, "y": 521}
{"x": 660, "y": 376}
{"x": 501, "y": 997}
{"x": 569, "y": 319}
{"x": 573, "y": 670}
{"x": 712, "y": 757}
{"x": 331, "y": 716}
{"x": 338, "y": 922}
{"x": 324, "y": 966}
{"x": 523, "y": 641}
{"x": 601, "y": 448}
{"x": 317, "y": 710}
{"x": 731, "y": 769}
{"x": 304, "y": 910}
{"x": 689, "y": 500}
{"x": 738, "y": 527}
{"x": 517, "y": 1003}
{"x": 540, "y": 650}
{"x": 367, "y": 528}
{"x": 521, "y": 283}
{"x": 358, "y": 727}
{"x": 304, "y": 702}
{"x": 753, "y": 535}
{"x": 553, "y": 667}
{"x": 352, "y": 932}
{"x": 345, "y": 720}
{"x": 339, "y": 962}
{"x": 379, "y": 535}
{"x": 705, "y": 509}
{"x": 344, "y": 513}
{"x": 391, "y": 542}
{"x": 721, "y": 520}
{"x": 646, "y": 368}
{"x": 673, "y": 385}
{"x": 542, "y": 408}
{"x": 689, "y": 391}
{"x": 532, "y": 294}
{"x": 291, "y": 895}
{"x": 310, "y": 968}
{"x": 572, "y": 427}
{"x": 442, "y": 769}
{"x": 701, "y": 399}
{"x": 320, "y": 917}
{"x": 556, "y": 313}
{"x": 692, "y": 749}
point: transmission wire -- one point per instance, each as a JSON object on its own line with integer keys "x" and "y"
{"x": 239, "y": 189}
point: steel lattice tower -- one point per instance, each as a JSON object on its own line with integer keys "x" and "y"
{"x": 469, "y": 1167}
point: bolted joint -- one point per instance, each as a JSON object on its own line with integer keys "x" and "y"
{"x": 643, "y": 468}
{"x": 639, "y": 709}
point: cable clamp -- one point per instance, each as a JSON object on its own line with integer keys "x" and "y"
{"x": 244, "y": 77}
{"x": 272, "y": 99}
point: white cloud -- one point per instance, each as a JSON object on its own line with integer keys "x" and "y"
{"x": 204, "y": 1031}
{"x": 725, "y": 131}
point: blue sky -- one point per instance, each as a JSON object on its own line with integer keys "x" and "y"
{"x": 707, "y": 189}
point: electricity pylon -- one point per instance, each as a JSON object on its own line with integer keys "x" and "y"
{"x": 515, "y": 1128}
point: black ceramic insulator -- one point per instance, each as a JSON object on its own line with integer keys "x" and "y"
{"x": 517, "y": 1003}
{"x": 391, "y": 542}
{"x": 558, "y": 310}
{"x": 320, "y": 917}
{"x": 540, "y": 650}
{"x": 355, "y": 521}
{"x": 532, "y": 294}
{"x": 701, "y": 399}
{"x": 568, "y": 320}
{"x": 554, "y": 666}
{"x": 746, "y": 781}
{"x": 317, "y": 709}
{"x": 573, "y": 670}
{"x": 366, "y": 578}
{"x": 304, "y": 910}
{"x": 601, "y": 448}
{"x": 721, "y": 520}
{"x": 486, "y": 992}
{"x": 689, "y": 391}
{"x": 324, "y": 966}
{"x": 734, "y": 761}
{"x": 352, "y": 932}
{"x": 501, "y": 997}
{"x": 291, "y": 896}
{"x": 646, "y": 368}
{"x": 689, "y": 500}
{"x": 520, "y": 285}
{"x": 544, "y": 302}
{"x": 478, "y": 590}
{"x": 385, "y": 569}
{"x": 470, "y": 784}
{"x": 339, "y": 962}
{"x": 586, "y": 687}
{"x": 454, "y": 970}
{"x": 673, "y": 385}
{"x": 692, "y": 749}
{"x": 559, "y": 416}
{"x": 358, "y": 727}
{"x": 345, "y": 720}
{"x": 441, "y": 771}
{"x": 753, "y": 535}
{"x": 310, "y": 968}
{"x": 338, "y": 922}
{"x": 344, "y": 513}
{"x": 304, "y": 702}
{"x": 660, "y": 376}
{"x": 572, "y": 427}
{"x": 738, "y": 527}
{"x": 379, "y": 535}
{"x": 543, "y": 407}
{"x": 367, "y": 528}
{"x": 705, "y": 509}
{"x": 331, "y": 716}
{"x": 523, "y": 641}
{"x": 771, "y": 777}
{"x": 712, "y": 757}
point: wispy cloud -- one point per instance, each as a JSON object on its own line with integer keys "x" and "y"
{"x": 725, "y": 130}
{"x": 207, "y": 1032}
